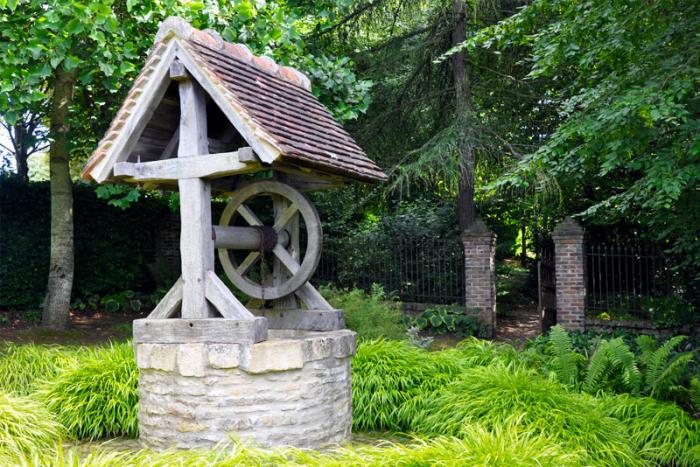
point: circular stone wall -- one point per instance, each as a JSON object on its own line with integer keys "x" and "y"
{"x": 293, "y": 389}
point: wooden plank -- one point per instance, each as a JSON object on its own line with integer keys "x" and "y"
{"x": 312, "y": 298}
{"x": 199, "y": 166}
{"x": 284, "y": 212}
{"x": 196, "y": 244}
{"x": 170, "y": 303}
{"x": 266, "y": 150}
{"x": 209, "y": 331}
{"x": 169, "y": 150}
{"x": 303, "y": 320}
{"x": 178, "y": 71}
{"x": 223, "y": 300}
{"x": 151, "y": 95}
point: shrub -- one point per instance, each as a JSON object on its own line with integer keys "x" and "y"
{"x": 491, "y": 395}
{"x": 98, "y": 398}
{"x": 25, "y": 426}
{"x": 22, "y": 366}
{"x": 372, "y": 315}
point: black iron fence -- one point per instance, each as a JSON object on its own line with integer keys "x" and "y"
{"x": 424, "y": 270}
{"x": 634, "y": 280}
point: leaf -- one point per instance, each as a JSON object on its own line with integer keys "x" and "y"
{"x": 74, "y": 26}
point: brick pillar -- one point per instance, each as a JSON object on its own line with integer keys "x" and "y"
{"x": 480, "y": 269}
{"x": 570, "y": 262}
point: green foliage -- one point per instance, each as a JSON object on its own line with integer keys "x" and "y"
{"x": 387, "y": 374}
{"x": 695, "y": 393}
{"x": 25, "y": 427}
{"x": 442, "y": 320}
{"x": 565, "y": 362}
{"x": 612, "y": 367}
{"x": 371, "y": 315}
{"x": 507, "y": 446}
{"x": 622, "y": 79}
{"x": 493, "y": 395}
{"x": 664, "y": 433}
{"x": 663, "y": 371}
{"x": 98, "y": 398}
{"x": 658, "y": 371}
{"x": 23, "y": 367}
{"x": 113, "y": 246}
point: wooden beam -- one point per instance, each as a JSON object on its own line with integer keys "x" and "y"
{"x": 169, "y": 150}
{"x": 146, "y": 103}
{"x": 224, "y": 301}
{"x": 178, "y": 71}
{"x": 196, "y": 244}
{"x": 196, "y": 166}
{"x": 170, "y": 303}
{"x": 264, "y": 147}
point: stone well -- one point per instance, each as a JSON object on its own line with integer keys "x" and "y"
{"x": 293, "y": 389}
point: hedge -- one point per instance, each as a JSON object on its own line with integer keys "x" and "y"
{"x": 113, "y": 247}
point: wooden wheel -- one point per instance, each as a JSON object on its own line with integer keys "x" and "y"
{"x": 280, "y": 239}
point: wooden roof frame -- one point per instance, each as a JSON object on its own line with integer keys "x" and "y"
{"x": 173, "y": 47}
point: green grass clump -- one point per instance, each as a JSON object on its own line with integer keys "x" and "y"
{"x": 98, "y": 398}
{"x": 506, "y": 446}
{"x": 492, "y": 395}
{"x": 663, "y": 433}
{"x": 25, "y": 426}
{"x": 370, "y": 315}
{"x": 387, "y": 374}
{"x": 22, "y": 366}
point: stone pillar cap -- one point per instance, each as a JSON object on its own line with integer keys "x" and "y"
{"x": 478, "y": 229}
{"x": 568, "y": 228}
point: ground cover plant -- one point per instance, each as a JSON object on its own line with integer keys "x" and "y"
{"x": 477, "y": 403}
{"x": 370, "y": 315}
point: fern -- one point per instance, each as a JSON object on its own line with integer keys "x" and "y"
{"x": 695, "y": 393}
{"x": 663, "y": 373}
{"x": 612, "y": 367}
{"x": 566, "y": 362}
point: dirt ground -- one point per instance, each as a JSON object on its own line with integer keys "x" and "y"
{"x": 92, "y": 329}
{"x": 521, "y": 322}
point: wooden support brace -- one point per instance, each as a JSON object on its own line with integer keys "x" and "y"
{"x": 223, "y": 300}
{"x": 170, "y": 303}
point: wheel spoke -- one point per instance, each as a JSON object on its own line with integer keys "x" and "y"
{"x": 285, "y": 217}
{"x": 248, "y": 215}
{"x": 286, "y": 259}
{"x": 248, "y": 262}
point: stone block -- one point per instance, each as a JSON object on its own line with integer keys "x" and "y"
{"x": 191, "y": 359}
{"x": 344, "y": 345}
{"x": 317, "y": 348}
{"x": 162, "y": 357}
{"x": 224, "y": 356}
{"x": 275, "y": 355}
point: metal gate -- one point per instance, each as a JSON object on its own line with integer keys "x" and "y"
{"x": 546, "y": 289}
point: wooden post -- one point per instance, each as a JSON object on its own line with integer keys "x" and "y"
{"x": 196, "y": 244}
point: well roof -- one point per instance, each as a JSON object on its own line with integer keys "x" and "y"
{"x": 274, "y": 101}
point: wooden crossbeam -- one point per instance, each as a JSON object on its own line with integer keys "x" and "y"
{"x": 197, "y": 166}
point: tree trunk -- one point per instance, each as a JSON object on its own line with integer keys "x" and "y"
{"x": 464, "y": 109}
{"x": 21, "y": 151}
{"x": 61, "y": 264}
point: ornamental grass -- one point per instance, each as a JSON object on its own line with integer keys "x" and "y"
{"x": 23, "y": 366}
{"x": 25, "y": 427}
{"x": 99, "y": 397}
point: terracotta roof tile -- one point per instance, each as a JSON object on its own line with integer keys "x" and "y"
{"x": 276, "y": 98}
